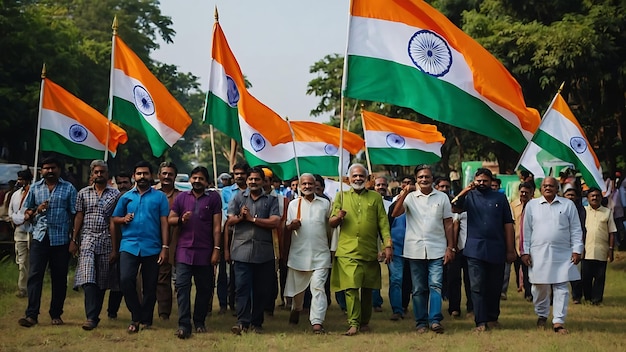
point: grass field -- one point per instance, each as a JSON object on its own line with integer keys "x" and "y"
{"x": 592, "y": 328}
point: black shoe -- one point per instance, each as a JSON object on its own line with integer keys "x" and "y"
{"x": 27, "y": 322}
{"x": 256, "y": 329}
{"x": 238, "y": 329}
{"x": 294, "y": 317}
{"x": 183, "y": 334}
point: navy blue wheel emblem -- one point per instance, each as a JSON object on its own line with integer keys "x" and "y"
{"x": 257, "y": 142}
{"x": 578, "y": 144}
{"x": 232, "y": 92}
{"x": 395, "y": 141}
{"x": 143, "y": 100}
{"x": 78, "y": 133}
{"x": 330, "y": 149}
{"x": 430, "y": 53}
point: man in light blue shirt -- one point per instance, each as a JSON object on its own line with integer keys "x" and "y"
{"x": 142, "y": 213}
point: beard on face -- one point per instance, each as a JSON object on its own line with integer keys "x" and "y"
{"x": 100, "y": 180}
{"x": 307, "y": 192}
{"x": 197, "y": 185}
{"x": 483, "y": 187}
{"x": 356, "y": 186}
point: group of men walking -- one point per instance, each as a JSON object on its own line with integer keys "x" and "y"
{"x": 127, "y": 239}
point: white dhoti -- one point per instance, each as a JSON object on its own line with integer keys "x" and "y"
{"x": 297, "y": 283}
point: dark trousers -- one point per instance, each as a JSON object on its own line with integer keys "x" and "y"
{"x": 407, "y": 285}
{"x": 43, "y": 254}
{"x": 115, "y": 300}
{"x": 94, "y": 298}
{"x": 129, "y": 265}
{"x": 222, "y": 283}
{"x": 593, "y": 279}
{"x": 271, "y": 302}
{"x": 203, "y": 279}
{"x": 486, "y": 284}
{"x": 253, "y": 289}
{"x": 455, "y": 268}
{"x": 164, "y": 290}
{"x": 525, "y": 281}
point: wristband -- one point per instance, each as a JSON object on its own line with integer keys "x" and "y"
{"x": 165, "y": 246}
{"x": 217, "y": 247}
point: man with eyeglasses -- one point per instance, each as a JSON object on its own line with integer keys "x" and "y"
{"x": 489, "y": 244}
{"x": 167, "y": 176}
{"x": 551, "y": 248}
{"x": 443, "y": 184}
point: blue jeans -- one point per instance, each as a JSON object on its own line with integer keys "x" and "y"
{"x": 377, "y": 299}
{"x": 203, "y": 279}
{"x": 43, "y": 254}
{"x": 427, "y": 275}
{"x": 486, "y": 284}
{"x": 252, "y": 291}
{"x": 129, "y": 266}
{"x": 396, "y": 269}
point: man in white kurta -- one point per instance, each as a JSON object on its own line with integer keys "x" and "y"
{"x": 309, "y": 254}
{"x": 552, "y": 245}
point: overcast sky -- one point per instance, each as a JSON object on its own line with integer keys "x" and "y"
{"x": 275, "y": 43}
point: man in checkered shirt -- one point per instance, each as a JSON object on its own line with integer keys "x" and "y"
{"x": 92, "y": 236}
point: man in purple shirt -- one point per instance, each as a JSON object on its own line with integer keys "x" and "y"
{"x": 198, "y": 213}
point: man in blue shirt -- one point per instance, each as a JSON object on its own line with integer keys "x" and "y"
{"x": 489, "y": 244}
{"x": 51, "y": 205}
{"x": 142, "y": 213}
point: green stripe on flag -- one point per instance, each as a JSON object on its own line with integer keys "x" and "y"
{"x": 284, "y": 170}
{"x": 388, "y": 82}
{"x": 404, "y": 157}
{"x": 565, "y": 153}
{"x": 126, "y": 112}
{"x": 54, "y": 142}
{"x": 222, "y": 116}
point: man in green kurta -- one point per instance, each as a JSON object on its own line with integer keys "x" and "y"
{"x": 361, "y": 217}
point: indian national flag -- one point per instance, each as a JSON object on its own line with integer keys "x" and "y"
{"x": 71, "y": 127}
{"x": 141, "y": 101}
{"x": 316, "y": 147}
{"x": 406, "y": 53}
{"x": 560, "y": 135}
{"x": 392, "y": 141}
{"x": 229, "y": 102}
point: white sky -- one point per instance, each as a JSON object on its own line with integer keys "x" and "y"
{"x": 275, "y": 43}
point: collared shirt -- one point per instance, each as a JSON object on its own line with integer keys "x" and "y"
{"x": 365, "y": 219}
{"x": 227, "y": 194}
{"x": 551, "y": 233}
{"x": 56, "y": 221}
{"x": 425, "y": 234}
{"x": 309, "y": 248}
{"x": 142, "y": 236}
{"x": 487, "y": 213}
{"x": 251, "y": 243}
{"x": 97, "y": 209}
{"x": 16, "y": 212}
{"x": 517, "y": 211}
{"x": 600, "y": 224}
{"x": 195, "y": 237}
{"x": 461, "y": 218}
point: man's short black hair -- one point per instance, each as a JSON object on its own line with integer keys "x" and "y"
{"x": 51, "y": 160}
{"x": 143, "y": 163}
{"x": 320, "y": 179}
{"x": 593, "y": 189}
{"x": 525, "y": 185}
{"x": 410, "y": 177}
{"x": 256, "y": 170}
{"x": 442, "y": 178}
{"x": 25, "y": 175}
{"x": 124, "y": 174}
{"x": 484, "y": 171}
{"x": 203, "y": 170}
{"x": 497, "y": 180}
{"x": 242, "y": 165}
